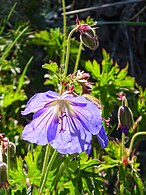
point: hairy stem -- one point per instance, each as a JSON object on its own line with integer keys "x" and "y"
{"x": 8, "y": 159}
{"x": 58, "y": 176}
{"x": 78, "y": 57}
{"x": 64, "y": 32}
{"x": 133, "y": 139}
{"x": 53, "y": 158}
{"x": 46, "y": 159}
{"x": 1, "y": 156}
{"x": 121, "y": 167}
{"x": 123, "y": 145}
{"x": 68, "y": 50}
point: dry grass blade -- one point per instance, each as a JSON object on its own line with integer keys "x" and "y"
{"x": 102, "y": 6}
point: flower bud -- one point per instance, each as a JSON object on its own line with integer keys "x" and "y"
{"x": 89, "y": 39}
{"x": 3, "y": 175}
{"x": 125, "y": 118}
{"x": 87, "y": 36}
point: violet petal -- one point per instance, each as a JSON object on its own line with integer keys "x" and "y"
{"x": 38, "y": 101}
{"x": 102, "y": 138}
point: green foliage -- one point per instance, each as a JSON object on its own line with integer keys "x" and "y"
{"x": 71, "y": 174}
{"x": 53, "y": 67}
{"x": 14, "y": 92}
{"x": 52, "y": 41}
{"x": 122, "y": 170}
{"x": 53, "y": 77}
{"x": 109, "y": 80}
{"x": 81, "y": 175}
{"x": 13, "y": 78}
{"x": 142, "y": 101}
{"x": 23, "y": 169}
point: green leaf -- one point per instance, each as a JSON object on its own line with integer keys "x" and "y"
{"x": 43, "y": 34}
{"x": 17, "y": 176}
{"x": 90, "y": 163}
{"x": 52, "y": 66}
{"x": 9, "y": 95}
{"x": 19, "y": 32}
{"x": 139, "y": 183}
{"x": 113, "y": 150}
{"x": 21, "y": 79}
{"x": 18, "y": 173}
{"x": 32, "y": 161}
{"x": 94, "y": 68}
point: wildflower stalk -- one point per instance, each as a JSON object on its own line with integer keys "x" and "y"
{"x": 122, "y": 179}
{"x": 8, "y": 159}
{"x": 45, "y": 163}
{"x": 1, "y": 156}
{"x": 58, "y": 176}
{"x": 78, "y": 56}
{"x": 68, "y": 50}
{"x": 133, "y": 139}
{"x": 47, "y": 170}
{"x": 123, "y": 145}
{"x": 64, "y": 32}
{"x": 121, "y": 167}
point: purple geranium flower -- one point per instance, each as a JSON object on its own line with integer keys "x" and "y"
{"x": 64, "y": 121}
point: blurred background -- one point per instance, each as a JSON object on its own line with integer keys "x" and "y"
{"x": 122, "y": 30}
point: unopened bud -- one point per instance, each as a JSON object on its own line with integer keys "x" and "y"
{"x": 125, "y": 118}
{"x": 89, "y": 39}
{"x": 3, "y": 175}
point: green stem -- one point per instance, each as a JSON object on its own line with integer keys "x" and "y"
{"x": 6, "y": 192}
{"x": 58, "y": 176}
{"x": 8, "y": 159}
{"x": 68, "y": 50}
{"x": 78, "y": 56}
{"x": 1, "y": 156}
{"x": 122, "y": 179}
{"x": 46, "y": 159}
{"x": 64, "y": 32}
{"x": 121, "y": 168}
{"x": 3, "y": 116}
{"x": 47, "y": 170}
{"x": 123, "y": 145}
{"x": 133, "y": 139}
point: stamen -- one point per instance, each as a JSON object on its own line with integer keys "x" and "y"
{"x": 63, "y": 114}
